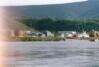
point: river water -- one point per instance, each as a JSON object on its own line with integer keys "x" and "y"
{"x": 71, "y": 53}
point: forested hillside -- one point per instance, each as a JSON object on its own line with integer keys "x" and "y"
{"x": 53, "y": 24}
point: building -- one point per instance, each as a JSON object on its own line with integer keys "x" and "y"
{"x": 48, "y": 34}
{"x": 83, "y": 35}
{"x": 67, "y": 34}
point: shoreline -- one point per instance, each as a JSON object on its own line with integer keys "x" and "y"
{"x": 49, "y": 41}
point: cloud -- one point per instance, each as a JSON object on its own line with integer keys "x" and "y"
{"x": 34, "y": 2}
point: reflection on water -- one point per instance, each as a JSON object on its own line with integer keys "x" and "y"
{"x": 52, "y": 54}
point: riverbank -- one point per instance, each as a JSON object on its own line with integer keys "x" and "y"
{"x": 33, "y": 39}
{"x": 39, "y": 39}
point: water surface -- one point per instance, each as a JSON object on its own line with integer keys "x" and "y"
{"x": 71, "y": 53}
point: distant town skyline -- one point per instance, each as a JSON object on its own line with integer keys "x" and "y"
{"x": 34, "y": 2}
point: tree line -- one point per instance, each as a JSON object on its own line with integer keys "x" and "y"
{"x": 53, "y": 24}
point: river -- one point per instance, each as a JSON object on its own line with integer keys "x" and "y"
{"x": 71, "y": 53}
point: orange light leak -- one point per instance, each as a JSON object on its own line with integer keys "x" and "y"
{"x": 2, "y": 44}
{"x": 2, "y": 55}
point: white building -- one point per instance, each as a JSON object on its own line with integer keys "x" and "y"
{"x": 69, "y": 34}
{"x": 49, "y": 34}
{"x": 62, "y": 35}
{"x": 83, "y": 35}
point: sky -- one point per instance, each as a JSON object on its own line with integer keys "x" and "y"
{"x": 34, "y": 2}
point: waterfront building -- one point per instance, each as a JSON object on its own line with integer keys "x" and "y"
{"x": 68, "y": 34}
{"x": 49, "y": 34}
{"x": 83, "y": 35}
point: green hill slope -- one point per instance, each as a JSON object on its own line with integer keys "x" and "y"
{"x": 87, "y": 9}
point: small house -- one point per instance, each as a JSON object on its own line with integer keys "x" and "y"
{"x": 48, "y": 34}
{"x": 83, "y": 35}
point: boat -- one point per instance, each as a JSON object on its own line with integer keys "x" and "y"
{"x": 93, "y": 40}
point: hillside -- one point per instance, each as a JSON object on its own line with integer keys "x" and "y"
{"x": 87, "y": 9}
{"x": 43, "y": 24}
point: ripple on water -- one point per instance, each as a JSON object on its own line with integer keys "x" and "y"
{"x": 53, "y": 54}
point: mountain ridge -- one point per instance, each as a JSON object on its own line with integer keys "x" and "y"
{"x": 86, "y": 9}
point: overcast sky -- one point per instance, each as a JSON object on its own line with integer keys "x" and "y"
{"x": 35, "y": 2}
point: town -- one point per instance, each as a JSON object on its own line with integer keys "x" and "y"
{"x": 63, "y": 35}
